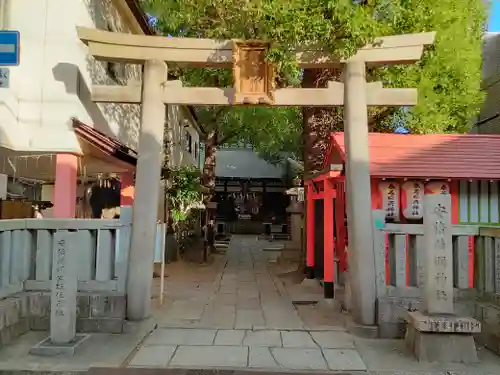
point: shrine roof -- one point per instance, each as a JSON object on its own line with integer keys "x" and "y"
{"x": 454, "y": 156}
{"x": 245, "y": 163}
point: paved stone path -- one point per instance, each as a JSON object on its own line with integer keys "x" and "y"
{"x": 239, "y": 293}
{"x": 236, "y": 314}
{"x": 264, "y": 349}
{"x": 243, "y": 317}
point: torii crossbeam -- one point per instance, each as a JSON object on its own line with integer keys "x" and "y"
{"x": 354, "y": 93}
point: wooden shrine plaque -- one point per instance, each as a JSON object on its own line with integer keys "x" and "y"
{"x": 253, "y": 76}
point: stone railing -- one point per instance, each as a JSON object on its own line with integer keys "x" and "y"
{"x": 487, "y": 262}
{"x": 400, "y": 258}
{"x": 26, "y": 252}
{"x": 400, "y": 269}
{"x": 487, "y": 285}
{"x": 26, "y": 255}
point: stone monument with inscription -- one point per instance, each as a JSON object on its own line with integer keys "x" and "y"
{"x": 437, "y": 334}
{"x": 63, "y": 339}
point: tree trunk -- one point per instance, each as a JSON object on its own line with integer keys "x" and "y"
{"x": 318, "y": 122}
{"x": 208, "y": 178}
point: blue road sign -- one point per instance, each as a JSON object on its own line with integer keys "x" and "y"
{"x": 9, "y": 47}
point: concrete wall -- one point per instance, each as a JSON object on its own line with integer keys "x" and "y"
{"x": 53, "y": 81}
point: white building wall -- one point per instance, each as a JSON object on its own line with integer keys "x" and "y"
{"x": 185, "y": 150}
{"x": 184, "y": 137}
{"x": 53, "y": 81}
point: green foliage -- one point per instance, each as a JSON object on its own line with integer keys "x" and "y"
{"x": 275, "y": 132}
{"x": 272, "y": 130}
{"x": 184, "y": 193}
{"x": 340, "y": 26}
{"x": 448, "y": 77}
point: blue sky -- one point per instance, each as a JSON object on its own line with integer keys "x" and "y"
{"x": 494, "y": 24}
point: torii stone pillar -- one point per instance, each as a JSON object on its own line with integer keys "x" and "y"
{"x": 359, "y": 206}
{"x": 147, "y": 191}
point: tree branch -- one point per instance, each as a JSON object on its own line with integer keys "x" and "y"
{"x": 213, "y": 123}
{"x": 218, "y": 112}
{"x": 226, "y": 138}
{"x": 372, "y": 122}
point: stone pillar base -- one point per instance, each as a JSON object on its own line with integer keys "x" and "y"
{"x": 49, "y": 349}
{"x": 442, "y": 338}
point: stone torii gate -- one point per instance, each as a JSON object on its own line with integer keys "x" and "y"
{"x": 253, "y": 84}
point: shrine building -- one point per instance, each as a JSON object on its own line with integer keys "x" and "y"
{"x": 403, "y": 168}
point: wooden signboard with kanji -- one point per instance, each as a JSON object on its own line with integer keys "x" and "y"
{"x": 253, "y": 75}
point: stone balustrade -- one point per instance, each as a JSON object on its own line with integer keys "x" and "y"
{"x": 400, "y": 270}
{"x": 26, "y": 257}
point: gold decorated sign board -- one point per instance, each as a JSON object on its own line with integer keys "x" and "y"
{"x": 253, "y": 75}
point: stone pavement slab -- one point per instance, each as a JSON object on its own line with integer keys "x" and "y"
{"x": 263, "y": 338}
{"x": 153, "y": 356}
{"x": 248, "y": 319}
{"x": 261, "y": 357}
{"x": 297, "y": 339}
{"x": 299, "y": 359}
{"x": 230, "y": 337}
{"x": 222, "y": 316}
{"x": 250, "y": 303}
{"x": 100, "y": 349}
{"x": 333, "y": 339}
{"x": 187, "y": 310}
{"x": 179, "y": 336}
{"x": 210, "y": 356}
{"x": 344, "y": 359}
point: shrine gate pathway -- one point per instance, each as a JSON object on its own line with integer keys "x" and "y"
{"x": 236, "y": 313}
